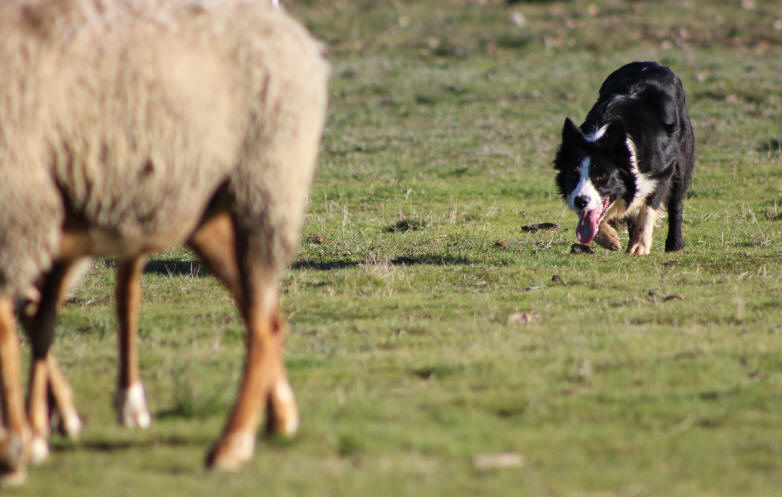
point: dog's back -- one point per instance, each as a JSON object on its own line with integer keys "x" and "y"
{"x": 651, "y": 94}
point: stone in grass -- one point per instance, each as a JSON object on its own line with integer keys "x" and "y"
{"x": 498, "y": 460}
{"x": 317, "y": 239}
{"x": 521, "y": 318}
{"x": 532, "y": 228}
{"x": 406, "y": 224}
{"x": 581, "y": 248}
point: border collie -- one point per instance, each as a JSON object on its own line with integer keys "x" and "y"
{"x": 633, "y": 155}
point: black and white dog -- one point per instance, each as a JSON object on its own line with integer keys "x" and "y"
{"x": 634, "y": 152}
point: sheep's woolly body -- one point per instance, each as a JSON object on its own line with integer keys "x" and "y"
{"x": 130, "y": 116}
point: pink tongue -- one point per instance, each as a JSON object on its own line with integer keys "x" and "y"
{"x": 587, "y": 225}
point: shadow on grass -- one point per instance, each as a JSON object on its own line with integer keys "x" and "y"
{"x": 194, "y": 269}
{"x": 188, "y": 407}
{"x": 772, "y": 146}
{"x": 431, "y": 260}
{"x": 121, "y": 445}
{"x": 324, "y": 265}
{"x": 172, "y": 267}
{"x": 169, "y": 267}
{"x": 404, "y": 260}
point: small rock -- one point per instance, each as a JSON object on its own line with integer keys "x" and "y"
{"x": 499, "y": 460}
{"x": 556, "y": 278}
{"x": 317, "y": 239}
{"x": 520, "y": 318}
{"x": 406, "y": 225}
{"x": 540, "y": 227}
{"x": 518, "y": 19}
{"x": 580, "y": 248}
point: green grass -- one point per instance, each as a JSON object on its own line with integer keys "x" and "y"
{"x": 444, "y": 117}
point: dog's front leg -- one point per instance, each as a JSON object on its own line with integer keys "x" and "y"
{"x": 641, "y": 236}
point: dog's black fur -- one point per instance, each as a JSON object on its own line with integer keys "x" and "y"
{"x": 640, "y": 117}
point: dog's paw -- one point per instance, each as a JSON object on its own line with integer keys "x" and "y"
{"x": 673, "y": 244}
{"x": 638, "y": 249}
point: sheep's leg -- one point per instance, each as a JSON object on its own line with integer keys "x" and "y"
{"x": 214, "y": 242}
{"x": 262, "y": 362}
{"x": 283, "y": 416}
{"x": 130, "y": 401}
{"x": 61, "y": 390}
{"x": 41, "y": 333}
{"x": 11, "y": 440}
{"x": 264, "y": 376}
{"x": 62, "y": 393}
{"x": 209, "y": 242}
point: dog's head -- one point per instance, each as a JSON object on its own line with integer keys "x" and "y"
{"x": 593, "y": 171}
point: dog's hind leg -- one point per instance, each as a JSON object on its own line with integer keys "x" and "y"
{"x": 130, "y": 401}
{"x": 642, "y": 235}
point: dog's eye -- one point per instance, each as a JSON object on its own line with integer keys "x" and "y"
{"x": 601, "y": 178}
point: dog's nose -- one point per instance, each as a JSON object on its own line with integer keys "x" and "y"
{"x": 580, "y": 202}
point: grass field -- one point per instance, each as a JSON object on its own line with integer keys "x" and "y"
{"x": 428, "y": 328}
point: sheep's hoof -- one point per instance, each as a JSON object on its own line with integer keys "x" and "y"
{"x": 70, "y": 424}
{"x": 283, "y": 417}
{"x": 231, "y": 451}
{"x": 131, "y": 406}
{"x": 12, "y": 471}
{"x": 39, "y": 449}
{"x": 13, "y": 478}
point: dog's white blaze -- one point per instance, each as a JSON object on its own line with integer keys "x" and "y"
{"x": 597, "y": 134}
{"x": 585, "y": 188}
{"x": 644, "y": 185}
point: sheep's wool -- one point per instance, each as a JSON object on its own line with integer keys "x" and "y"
{"x": 131, "y": 115}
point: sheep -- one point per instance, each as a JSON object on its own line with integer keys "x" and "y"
{"x": 130, "y": 399}
{"x": 132, "y": 126}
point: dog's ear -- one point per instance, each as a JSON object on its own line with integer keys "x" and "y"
{"x": 571, "y": 133}
{"x": 614, "y": 137}
{"x": 663, "y": 105}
